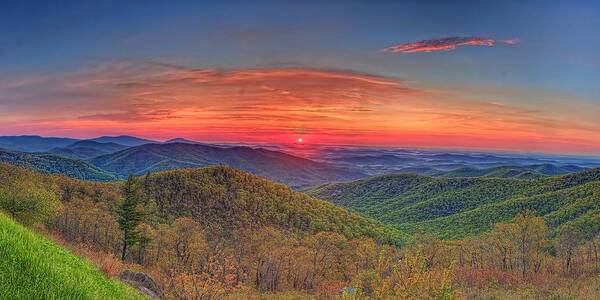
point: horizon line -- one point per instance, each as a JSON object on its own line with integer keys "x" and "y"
{"x": 305, "y": 145}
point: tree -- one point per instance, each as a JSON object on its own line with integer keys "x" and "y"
{"x": 566, "y": 244}
{"x": 28, "y": 202}
{"x": 189, "y": 242}
{"x": 502, "y": 245}
{"x": 527, "y": 235}
{"x": 129, "y": 215}
{"x": 595, "y": 249}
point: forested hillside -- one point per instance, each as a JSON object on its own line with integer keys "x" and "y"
{"x": 294, "y": 171}
{"x": 87, "y": 149}
{"x": 223, "y": 233}
{"x": 520, "y": 172}
{"x": 459, "y": 207}
{"x": 225, "y": 198}
{"x": 54, "y": 164}
{"x": 218, "y": 227}
{"x": 235, "y": 199}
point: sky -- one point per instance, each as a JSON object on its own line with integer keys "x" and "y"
{"x": 467, "y": 74}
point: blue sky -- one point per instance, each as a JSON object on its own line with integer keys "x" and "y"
{"x": 553, "y": 70}
{"x": 558, "y": 48}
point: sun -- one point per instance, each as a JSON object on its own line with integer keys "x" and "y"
{"x": 300, "y": 140}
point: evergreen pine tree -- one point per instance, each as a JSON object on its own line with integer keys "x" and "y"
{"x": 129, "y": 215}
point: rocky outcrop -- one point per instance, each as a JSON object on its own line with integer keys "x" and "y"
{"x": 142, "y": 282}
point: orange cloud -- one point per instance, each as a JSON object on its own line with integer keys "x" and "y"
{"x": 279, "y": 104}
{"x": 447, "y": 43}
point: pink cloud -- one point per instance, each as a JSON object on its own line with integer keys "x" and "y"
{"x": 161, "y": 101}
{"x": 446, "y": 44}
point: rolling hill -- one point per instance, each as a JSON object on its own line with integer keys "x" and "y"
{"x": 32, "y": 267}
{"x": 294, "y": 171}
{"x": 125, "y": 140}
{"x": 33, "y": 143}
{"x": 53, "y": 164}
{"x": 521, "y": 172}
{"x": 181, "y": 140}
{"x": 87, "y": 149}
{"x": 235, "y": 199}
{"x": 458, "y": 207}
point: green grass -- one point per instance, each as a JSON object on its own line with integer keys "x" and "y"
{"x": 32, "y": 267}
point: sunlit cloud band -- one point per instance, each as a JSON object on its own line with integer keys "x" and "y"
{"x": 446, "y": 44}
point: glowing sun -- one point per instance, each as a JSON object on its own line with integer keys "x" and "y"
{"x": 300, "y": 140}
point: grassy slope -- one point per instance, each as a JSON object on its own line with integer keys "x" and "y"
{"x": 32, "y": 267}
{"x": 457, "y": 207}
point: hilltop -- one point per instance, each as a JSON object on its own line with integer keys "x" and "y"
{"x": 181, "y": 140}
{"x": 125, "y": 140}
{"x": 235, "y": 199}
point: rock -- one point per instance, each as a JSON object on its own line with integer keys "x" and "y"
{"x": 142, "y": 282}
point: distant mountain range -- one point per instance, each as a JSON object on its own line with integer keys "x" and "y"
{"x": 379, "y": 161}
{"x": 87, "y": 149}
{"x": 119, "y": 156}
{"x": 33, "y": 143}
{"x": 108, "y": 158}
{"x": 294, "y": 171}
{"x": 125, "y": 140}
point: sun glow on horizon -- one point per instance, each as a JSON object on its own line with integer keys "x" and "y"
{"x": 287, "y": 105}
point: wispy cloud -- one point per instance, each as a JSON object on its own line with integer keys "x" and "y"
{"x": 447, "y": 43}
{"x": 276, "y": 104}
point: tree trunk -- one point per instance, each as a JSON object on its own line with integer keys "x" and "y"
{"x": 124, "y": 251}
